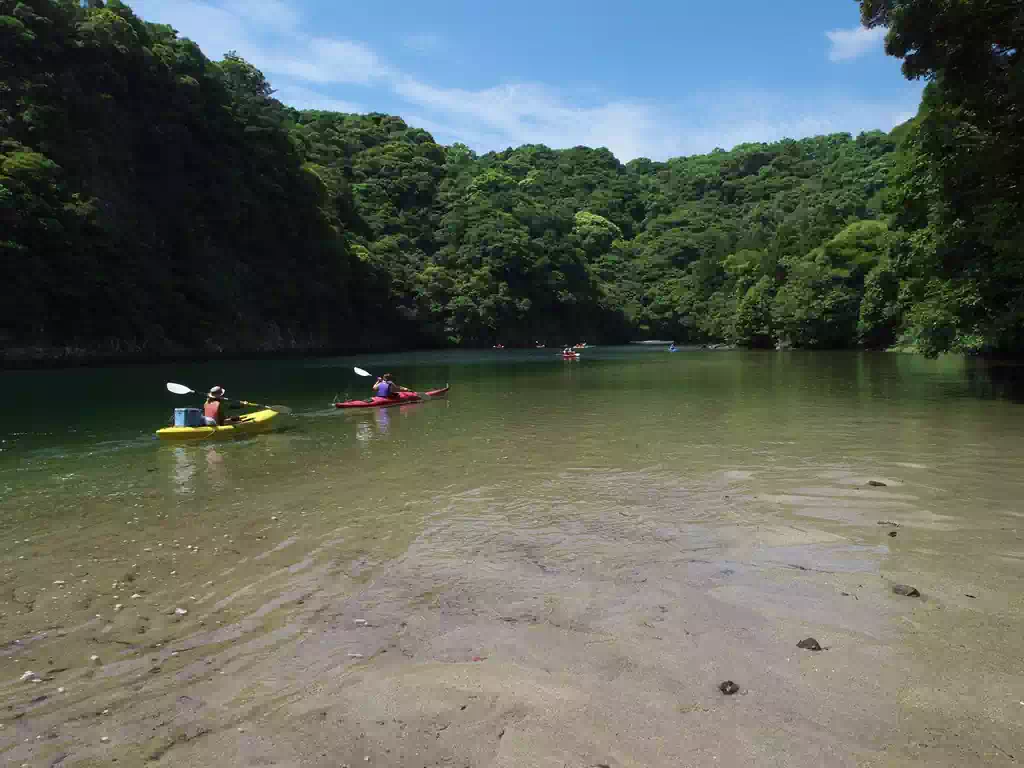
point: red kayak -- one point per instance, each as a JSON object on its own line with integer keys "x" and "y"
{"x": 386, "y": 402}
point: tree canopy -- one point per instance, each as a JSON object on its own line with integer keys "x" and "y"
{"x": 956, "y": 194}
{"x": 154, "y": 201}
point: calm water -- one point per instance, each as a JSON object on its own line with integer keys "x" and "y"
{"x": 86, "y": 436}
{"x": 91, "y": 499}
{"x": 79, "y": 458}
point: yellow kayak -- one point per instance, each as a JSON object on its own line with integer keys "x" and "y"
{"x": 250, "y": 423}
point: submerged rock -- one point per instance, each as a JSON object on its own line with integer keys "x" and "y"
{"x": 892, "y": 534}
{"x": 906, "y": 590}
{"x": 810, "y": 644}
{"x": 728, "y": 687}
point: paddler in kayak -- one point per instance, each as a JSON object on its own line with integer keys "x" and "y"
{"x": 215, "y": 409}
{"x": 385, "y": 387}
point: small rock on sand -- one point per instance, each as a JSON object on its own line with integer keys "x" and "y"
{"x": 728, "y": 687}
{"x": 876, "y": 484}
{"x": 906, "y": 590}
{"x": 892, "y": 534}
{"x": 810, "y": 644}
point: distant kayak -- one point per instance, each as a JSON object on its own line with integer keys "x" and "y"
{"x": 251, "y": 423}
{"x": 386, "y": 402}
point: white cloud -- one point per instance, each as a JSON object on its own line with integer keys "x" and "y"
{"x": 274, "y": 13}
{"x": 306, "y": 98}
{"x": 216, "y": 30}
{"x": 854, "y": 42}
{"x": 320, "y": 60}
{"x": 510, "y": 115}
{"x": 266, "y": 33}
{"x": 529, "y": 113}
{"x": 735, "y": 116}
{"x": 319, "y": 72}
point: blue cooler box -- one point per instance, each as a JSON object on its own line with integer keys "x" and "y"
{"x": 188, "y": 417}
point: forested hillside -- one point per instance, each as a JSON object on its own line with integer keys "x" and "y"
{"x": 155, "y": 202}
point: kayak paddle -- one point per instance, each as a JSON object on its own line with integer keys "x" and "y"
{"x": 361, "y": 372}
{"x": 181, "y": 389}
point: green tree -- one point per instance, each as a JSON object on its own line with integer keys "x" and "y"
{"x": 959, "y": 195}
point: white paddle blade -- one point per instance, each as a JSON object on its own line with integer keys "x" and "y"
{"x": 361, "y": 372}
{"x": 179, "y": 389}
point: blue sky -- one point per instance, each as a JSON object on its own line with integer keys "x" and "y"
{"x": 651, "y": 78}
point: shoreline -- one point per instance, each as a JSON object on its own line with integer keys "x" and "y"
{"x": 51, "y": 358}
{"x": 68, "y": 358}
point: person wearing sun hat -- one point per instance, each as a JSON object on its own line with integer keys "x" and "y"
{"x": 215, "y": 408}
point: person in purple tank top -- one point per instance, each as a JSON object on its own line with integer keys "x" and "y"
{"x": 385, "y": 387}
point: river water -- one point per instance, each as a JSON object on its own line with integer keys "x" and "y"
{"x": 555, "y": 565}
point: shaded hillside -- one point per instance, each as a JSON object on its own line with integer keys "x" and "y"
{"x": 155, "y": 202}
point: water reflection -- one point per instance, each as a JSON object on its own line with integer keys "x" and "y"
{"x": 379, "y": 425}
{"x": 365, "y": 431}
{"x": 1000, "y": 380}
{"x": 184, "y": 471}
{"x": 216, "y": 469}
{"x": 188, "y": 460}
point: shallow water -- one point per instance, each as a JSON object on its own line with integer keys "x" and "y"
{"x": 548, "y": 518}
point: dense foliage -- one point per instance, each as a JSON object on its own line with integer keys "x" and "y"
{"x": 154, "y": 201}
{"x": 957, "y": 199}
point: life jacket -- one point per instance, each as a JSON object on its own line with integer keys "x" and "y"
{"x": 212, "y": 410}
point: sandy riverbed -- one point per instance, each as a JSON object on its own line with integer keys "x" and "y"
{"x": 587, "y": 624}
